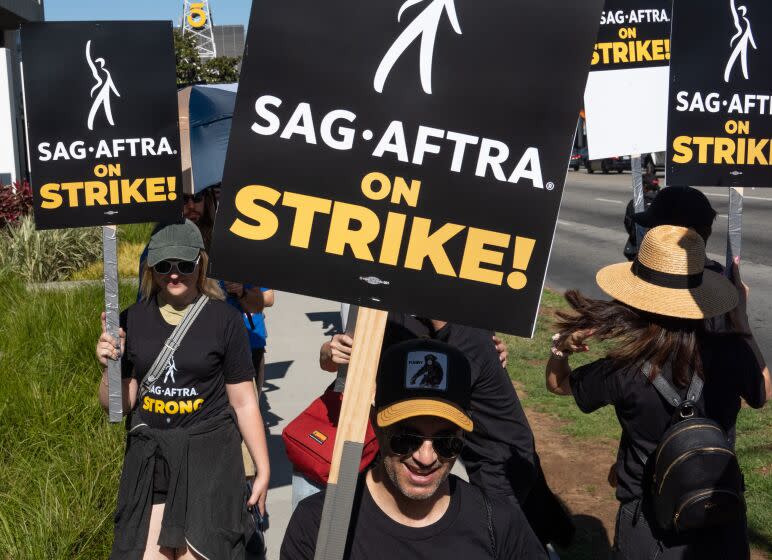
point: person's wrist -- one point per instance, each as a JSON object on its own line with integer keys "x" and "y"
{"x": 556, "y": 351}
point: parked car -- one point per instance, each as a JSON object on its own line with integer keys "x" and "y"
{"x": 616, "y": 163}
{"x": 653, "y": 162}
{"x": 578, "y": 157}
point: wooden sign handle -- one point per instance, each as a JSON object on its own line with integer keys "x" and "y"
{"x": 112, "y": 312}
{"x": 349, "y": 441}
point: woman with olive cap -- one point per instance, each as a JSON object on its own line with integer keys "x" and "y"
{"x": 657, "y": 324}
{"x": 182, "y": 493}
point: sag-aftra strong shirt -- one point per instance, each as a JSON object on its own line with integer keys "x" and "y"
{"x": 191, "y": 387}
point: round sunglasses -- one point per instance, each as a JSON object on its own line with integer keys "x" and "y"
{"x": 182, "y": 267}
{"x": 447, "y": 447}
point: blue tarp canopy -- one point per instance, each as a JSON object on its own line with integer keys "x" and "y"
{"x": 205, "y": 126}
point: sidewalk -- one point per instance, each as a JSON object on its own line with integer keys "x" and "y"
{"x": 297, "y": 326}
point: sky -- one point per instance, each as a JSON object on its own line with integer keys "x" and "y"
{"x": 223, "y": 11}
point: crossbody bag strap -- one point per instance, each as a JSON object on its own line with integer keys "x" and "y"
{"x": 491, "y": 530}
{"x": 172, "y": 343}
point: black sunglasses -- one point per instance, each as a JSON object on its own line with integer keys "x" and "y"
{"x": 446, "y": 447}
{"x": 198, "y": 197}
{"x": 182, "y": 267}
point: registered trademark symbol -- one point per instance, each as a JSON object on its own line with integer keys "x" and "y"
{"x": 550, "y": 186}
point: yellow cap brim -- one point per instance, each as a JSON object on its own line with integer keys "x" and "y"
{"x": 423, "y": 407}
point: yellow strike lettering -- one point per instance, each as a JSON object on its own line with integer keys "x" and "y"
{"x": 95, "y": 192}
{"x": 475, "y": 254}
{"x": 156, "y": 189}
{"x": 682, "y": 147}
{"x": 741, "y": 151}
{"x": 702, "y": 143}
{"x": 401, "y": 192}
{"x": 620, "y": 52}
{"x": 658, "y": 49}
{"x": 115, "y": 194}
{"x": 51, "y": 197}
{"x": 755, "y": 151}
{"x": 422, "y": 244}
{"x": 306, "y": 207}
{"x": 341, "y": 233}
{"x": 595, "y": 58}
{"x": 724, "y": 151}
{"x": 197, "y": 404}
{"x": 392, "y": 238}
{"x": 606, "y": 49}
{"x": 643, "y": 50}
{"x": 246, "y": 205}
{"x": 130, "y": 190}
{"x": 72, "y": 191}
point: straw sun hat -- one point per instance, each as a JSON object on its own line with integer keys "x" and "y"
{"x": 669, "y": 278}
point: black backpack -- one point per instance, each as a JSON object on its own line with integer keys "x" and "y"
{"x": 696, "y": 481}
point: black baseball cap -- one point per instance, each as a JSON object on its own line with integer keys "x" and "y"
{"x": 423, "y": 377}
{"x": 678, "y": 206}
{"x": 181, "y": 241}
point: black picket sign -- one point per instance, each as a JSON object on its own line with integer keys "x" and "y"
{"x": 101, "y": 112}
{"x": 720, "y": 113}
{"x": 404, "y": 155}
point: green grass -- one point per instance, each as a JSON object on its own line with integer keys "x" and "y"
{"x": 754, "y": 427}
{"x": 59, "y": 458}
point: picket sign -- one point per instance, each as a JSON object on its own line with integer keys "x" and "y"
{"x": 349, "y": 441}
{"x": 734, "y": 230}
{"x": 112, "y": 309}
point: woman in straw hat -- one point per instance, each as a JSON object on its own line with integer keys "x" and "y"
{"x": 657, "y": 316}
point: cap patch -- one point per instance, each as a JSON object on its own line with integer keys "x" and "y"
{"x": 426, "y": 370}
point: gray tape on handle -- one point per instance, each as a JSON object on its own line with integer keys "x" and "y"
{"x": 112, "y": 308}
{"x": 338, "y": 503}
{"x": 638, "y": 202}
{"x": 734, "y": 230}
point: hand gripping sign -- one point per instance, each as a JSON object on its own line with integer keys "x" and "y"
{"x": 404, "y": 155}
{"x": 102, "y": 133}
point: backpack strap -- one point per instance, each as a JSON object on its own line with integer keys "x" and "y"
{"x": 171, "y": 344}
{"x": 664, "y": 387}
{"x": 491, "y": 530}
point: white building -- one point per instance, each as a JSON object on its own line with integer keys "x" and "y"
{"x": 13, "y": 165}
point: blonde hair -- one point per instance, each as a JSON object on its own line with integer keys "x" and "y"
{"x": 204, "y": 284}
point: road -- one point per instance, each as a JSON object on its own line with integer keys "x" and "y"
{"x": 590, "y": 235}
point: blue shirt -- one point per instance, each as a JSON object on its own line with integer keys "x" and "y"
{"x": 255, "y": 322}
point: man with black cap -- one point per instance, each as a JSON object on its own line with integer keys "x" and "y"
{"x": 408, "y": 505}
{"x": 681, "y": 206}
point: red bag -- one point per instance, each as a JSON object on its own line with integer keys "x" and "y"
{"x": 310, "y": 438}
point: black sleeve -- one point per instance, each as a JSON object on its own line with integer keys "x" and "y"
{"x": 629, "y": 223}
{"x": 515, "y": 540}
{"x": 300, "y": 538}
{"x": 595, "y": 385}
{"x": 127, "y": 364}
{"x": 748, "y": 373}
{"x": 237, "y": 354}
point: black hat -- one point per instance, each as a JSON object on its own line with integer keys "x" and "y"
{"x": 423, "y": 377}
{"x": 678, "y": 206}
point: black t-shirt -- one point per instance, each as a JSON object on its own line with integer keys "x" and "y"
{"x": 499, "y": 454}
{"x": 215, "y": 351}
{"x": 461, "y": 533}
{"x": 730, "y": 371}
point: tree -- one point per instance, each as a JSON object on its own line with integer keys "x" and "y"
{"x": 221, "y": 70}
{"x": 190, "y": 69}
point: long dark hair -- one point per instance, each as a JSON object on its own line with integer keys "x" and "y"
{"x": 206, "y": 221}
{"x": 640, "y": 337}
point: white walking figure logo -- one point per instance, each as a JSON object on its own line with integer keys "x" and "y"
{"x": 107, "y": 87}
{"x": 171, "y": 369}
{"x": 425, "y": 25}
{"x": 741, "y": 48}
